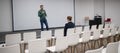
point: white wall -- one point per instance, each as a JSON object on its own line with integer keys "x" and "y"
{"x": 5, "y": 16}
{"x": 84, "y": 8}
{"x": 112, "y": 10}
{"x": 99, "y": 8}
{"x": 26, "y": 13}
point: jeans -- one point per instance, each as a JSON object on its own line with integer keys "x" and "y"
{"x": 44, "y": 20}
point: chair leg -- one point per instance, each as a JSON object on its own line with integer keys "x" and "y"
{"x": 94, "y": 44}
{"x": 110, "y": 39}
{"x": 98, "y": 43}
{"x": 21, "y": 48}
{"x": 80, "y": 47}
{"x": 88, "y": 45}
{"x": 118, "y": 37}
{"x": 55, "y": 42}
{"x": 83, "y": 47}
{"x": 105, "y": 39}
{"x": 91, "y": 45}
{"x": 48, "y": 43}
{"x": 25, "y": 46}
{"x": 104, "y": 42}
{"x": 76, "y": 49}
{"x": 68, "y": 49}
{"x": 101, "y": 42}
{"x": 61, "y": 52}
{"x": 71, "y": 49}
{"x": 64, "y": 51}
{"x": 115, "y": 38}
{"x": 51, "y": 41}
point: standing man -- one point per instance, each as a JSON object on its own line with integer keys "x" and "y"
{"x": 42, "y": 14}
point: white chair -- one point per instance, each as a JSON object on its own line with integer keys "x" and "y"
{"x": 113, "y": 36}
{"x": 11, "y": 49}
{"x": 112, "y": 26}
{"x": 11, "y": 39}
{"x": 100, "y": 27}
{"x": 78, "y": 30}
{"x": 95, "y": 51}
{"x": 47, "y": 35}
{"x": 70, "y": 31}
{"x": 73, "y": 41}
{"x": 58, "y": 32}
{"x": 85, "y": 37}
{"x": 96, "y": 35}
{"x": 86, "y": 28}
{"x": 104, "y": 37}
{"x": 111, "y": 48}
{"x": 118, "y": 31}
{"x": 61, "y": 45}
{"x": 95, "y": 38}
{"x": 28, "y": 36}
{"x": 107, "y": 26}
{"x": 94, "y": 27}
{"x": 106, "y": 33}
{"x": 37, "y": 46}
{"x": 113, "y": 31}
{"x": 84, "y": 40}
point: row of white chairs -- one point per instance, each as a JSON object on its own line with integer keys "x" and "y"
{"x": 47, "y": 35}
{"x": 39, "y": 46}
{"x": 85, "y": 36}
{"x": 108, "y": 31}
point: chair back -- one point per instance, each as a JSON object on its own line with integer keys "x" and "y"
{"x": 28, "y": 36}
{"x": 59, "y": 33}
{"x": 37, "y": 46}
{"x": 86, "y": 36}
{"x": 47, "y": 35}
{"x": 96, "y": 34}
{"x": 11, "y": 39}
{"x": 11, "y": 49}
{"x": 112, "y": 47}
{"x": 61, "y": 44}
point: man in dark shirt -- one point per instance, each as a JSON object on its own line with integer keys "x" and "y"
{"x": 70, "y": 24}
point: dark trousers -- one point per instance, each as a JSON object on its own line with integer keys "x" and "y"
{"x": 44, "y": 21}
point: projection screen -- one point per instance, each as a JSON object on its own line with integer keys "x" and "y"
{"x": 25, "y": 13}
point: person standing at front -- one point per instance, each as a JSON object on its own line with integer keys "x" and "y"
{"x": 42, "y": 14}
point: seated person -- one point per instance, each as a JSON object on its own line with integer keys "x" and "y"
{"x": 70, "y": 24}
